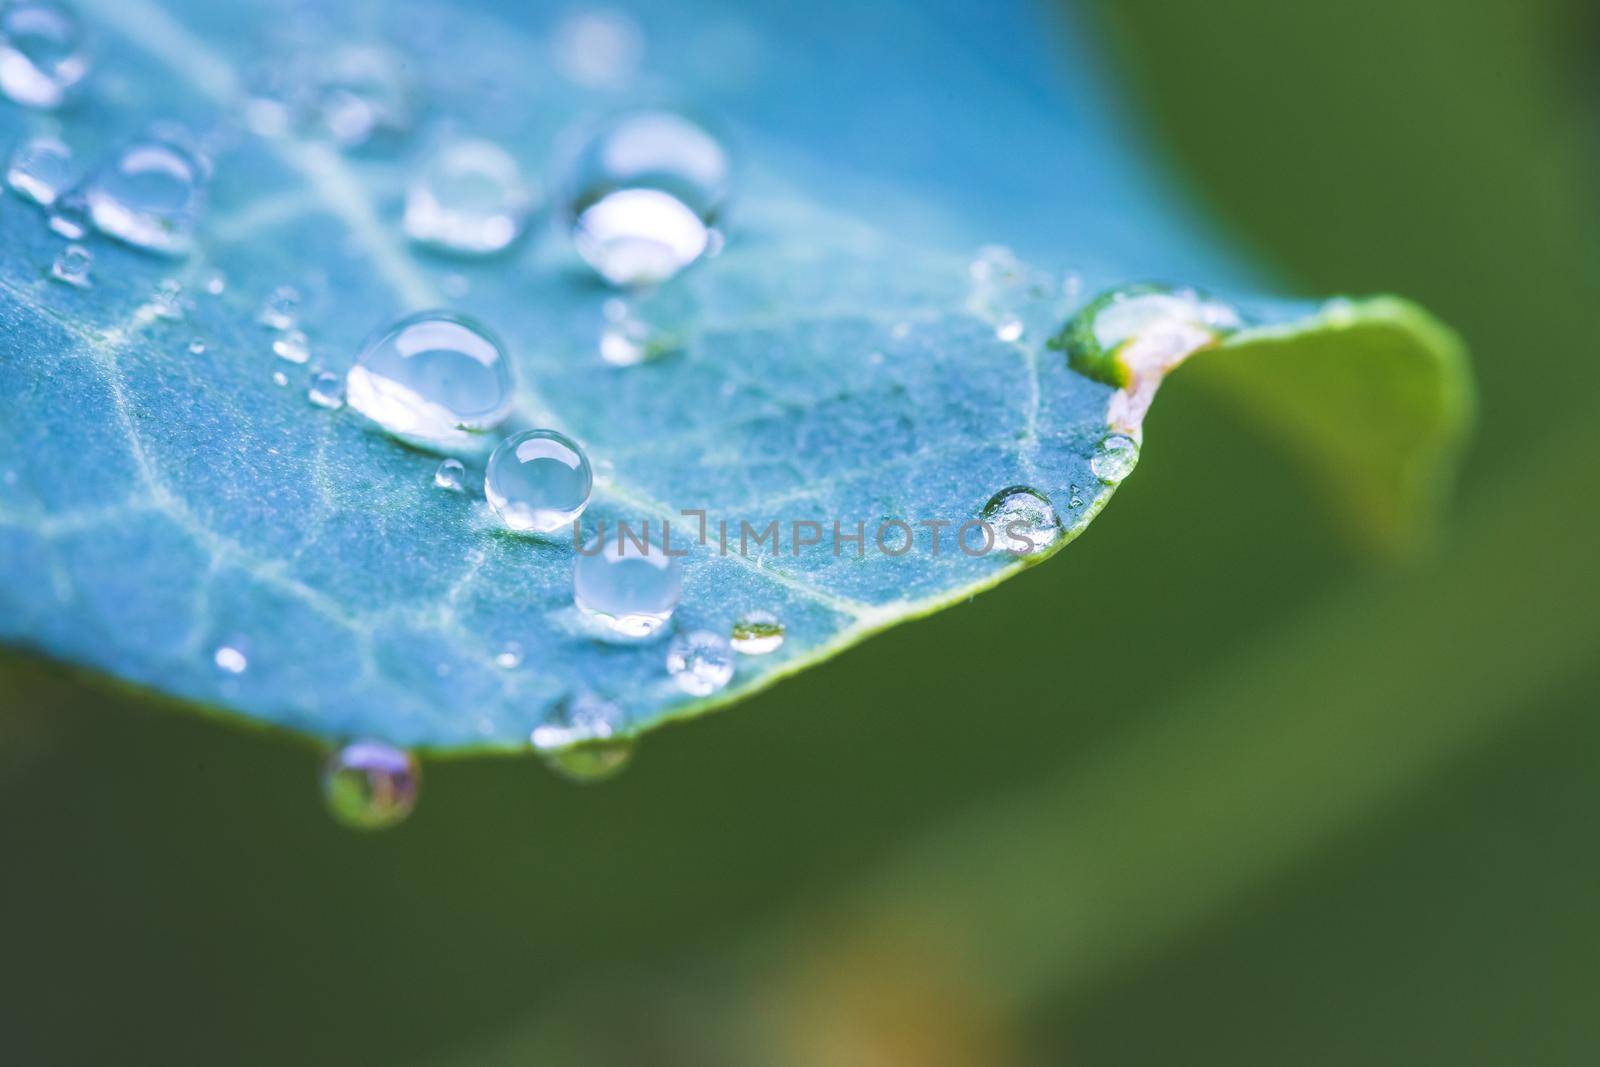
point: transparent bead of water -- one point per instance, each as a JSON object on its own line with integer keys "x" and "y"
{"x": 230, "y": 660}
{"x": 69, "y": 215}
{"x": 168, "y": 302}
{"x": 1114, "y": 458}
{"x": 280, "y": 379}
{"x": 469, "y": 198}
{"x": 509, "y": 658}
{"x": 362, "y": 91}
{"x": 450, "y": 475}
{"x": 149, "y": 195}
{"x": 434, "y": 379}
{"x": 72, "y": 266}
{"x": 756, "y": 633}
{"x": 1023, "y": 520}
{"x": 1142, "y": 326}
{"x": 700, "y": 662}
{"x": 41, "y": 169}
{"x": 292, "y": 346}
{"x": 42, "y": 53}
{"x": 580, "y": 738}
{"x": 197, "y": 347}
{"x": 644, "y": 196}
{"x": 370, "y": 785}
{"x": 326, "y": 390}
{"x": 281, "y": 309}
{"x": 538, "y": 481}
{"x": 1009, "y": 329}
{"x": 631, "y": 591}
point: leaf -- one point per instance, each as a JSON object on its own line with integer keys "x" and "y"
{"x": 173, "y": 518}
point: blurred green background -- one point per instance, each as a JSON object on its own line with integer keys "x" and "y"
{"x": 1308, "y": 808}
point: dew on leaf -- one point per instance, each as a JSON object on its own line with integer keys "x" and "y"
{"x": 1114, "y": 458}
{"x": 469, "y": 198}
{"x": 509, "y": 658}
{"x": 72, "y": 266}
{"x": 291, "y": 346}
{"x": 700, "y": 662}
{"x": 280, "y": 379}
{"x": 197, "y": 347}
{"x": 42, "y": 53}
{"x": 538, "y": 481}
{"x": 149, "y": 195}
{"x": 598, "y": 49}
{"x": 579, "y": 737}
{"x": 326, "y": 390}
{"x": 756, "y": 633}
{"x": 230, "y": 659}
{"x": 69, "y": 215}
{"x": 630, "y": 586}
{"x": 433, "y": 379}
{"x": 370, "y": 785}
{"x": 1133, "y": 329}
{"x": 450, "y": 475}
{"x": 1023, "y": 519}
{"x": 361, "y": 91}
{"x": 281, "y": 309}
{"x": 40, "y": 169}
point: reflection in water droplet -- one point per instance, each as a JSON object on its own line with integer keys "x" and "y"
{"x": 756, "y": 633}
{"x": 42, "y": 54}
{"x": 292, "y": 346}
{"x": 433, "y": 379}
{"x": 629, "y": 589}
{"x": 281, "y": 309}
{"x": 361, "y": 92}
{"x": 370, "y": 785}
{"x": 230, "y": 659}
{"x": 579, "y": 738}
{"x": 700, "y": 662}
{"x": 150, "y": 195}
{"x": 326, "y": 390}
{"x": 598, "y": 49}
{"x": 1135, "y": 329}
{"x": 1115, "y": 458}
{"x": 40, "y": 169}
{"x": 69, "y": 215}
{"x": 1023, "y": 520}
{"x": 538, "y": 481}
{"x": 450, "y": 475}
{"x": 509, "y": 658}
{"x": 644, "y": 195}
{"x": 470, "y": 198}
{"x": 72, "y": 266}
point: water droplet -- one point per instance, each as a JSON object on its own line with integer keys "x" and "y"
{"x": 450, "y": 475}
{"x": 280, "y": 379}
{"x": 167, "y": 302}
{"x": 579, "y": 738}
{"x": 40, "y": 169}
{"x": 69, "y": 215}
{"x": 756, "y": 633}
{"x": 434, "y": 379}
{"x": 281, "y": 309}
{"x": 509, "y": 658}
{"x": 1076, "y": 501}
{"x": 1009, "y": 329}
{"x": 700, "y": 662}
{"x": 644, "y": 195}
{"x": 197, "y": 347}
{"x": 1023, "y": 520}
{"x": 1115, "y": 458}
{"x": 1133, "y": 329}
{"x": 631, "y": 590}
{"x": 361, "y": 92}
{"x": 215, "y": 282}
{"x": 370, "y": 785}
{"x": 625, "y": 342}
{"x": 230, "y": 659}
{"x": 326, "y": 390}
{"x": 470, "y": 198}
{"x": 598, "y": 49}
{"x": 42, "y": 54}
{"x": 538, "y": 481}
{"x": 150, "y": 195}
{"x": 72, "y": 266}
{"x": 291, "y": 346}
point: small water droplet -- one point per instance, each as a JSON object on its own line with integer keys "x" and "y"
{"x": 72, "y": 266}
{"x": 1023, "y": 520}
{"x": 361, "y": 92}
{"x": 280, "y": 379}
{"x": 605, "y": 472}
{"x": 291, "y": 346}
{"x": 509, "y": 658}
{"x": 1009, "y": 329}
{"x": 215, "y": 282}
{"x": 700, "y": 662}
{"x": 149, "y": 195}
{"x": 450, "y": 475}
{"x": 40, "y": 169}
{"x": 538, "y": 481}
{"x": 631, "y": 591}
{"x": 1132, "y": 329}
{"x": 230, "y": 659}
{"x": 598, "y": 49}
{"x": 281, "y": 309}
{"x": 757, "y": 633}
{"x": 167, "y": 302}
{"x": 469, "y": 198}
{"x": 644, "y": 196}
{"x": 433, "y": 379}
{"x": 42, "y": 53}
{"x": 625, "y": 341}
{"x": 326, "y": 390}
{"x": 69, "y": 215}
{"x": 579, "y": 738}
{"x": 1115, "y": 458}
{"x": 1076, "y": 501}
{"x": 370, "y": 785}
{"x": 197, "y": 347}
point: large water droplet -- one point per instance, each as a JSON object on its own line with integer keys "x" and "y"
{"x": 629, "y": 589}
{"x": 470, "y": 198}
{"x": 362, "y": 91}
{"x": 700, "y": 662}
{"x": 370, "y": 785}
{"x": 72, "y": 266}
{"x": 434, "y": 379}
{"x": 579, "y": 738}
{"x": 644, "y": 196}
{"x": 755, "y": 633}
{"x": 538, "y": 481}
{"x": 42, "y": 54}
{"x": 1143, "y": 327}
{"x": 1023, "y": 519}
{"x": 40, "y": 169}
{"x": 150, "y": 195}
{"x": 1114, "y": 458}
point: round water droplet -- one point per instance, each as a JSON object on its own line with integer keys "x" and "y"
{"x": 292, "y": 346}
{"x": 644, "y": 196}
{"x": 700, "y": 662}
{"x": 509, "y": 658}
{"x": 215, "y": 282}
{"x": 69, "y": 215}
{"x": 470, "y": 198}
{"x": 361, "y": 92}
{"x": 450, "y": 475}
{"x": 1115, "y": 458}
{"x": 167, "y": 302}
{"x": 434, "y": 379}
{"x": 42, "y": 54}
{"x": 1023, "y": 520}
{"x": 281, "y": 309}
{"x": 72, "y": 266}
{"x": 629, "y": 589}
{"x": 579, "y": 738}
{"x": 1009, "y": 329}
{"x": 326, "y": 390}
{"x": 538, "y": 481}
{"x": 1166, "y": 323}
{"x": 197, "y": 347}
{"x": 598, "y": 49}
{"x": 370, "y": 785}
{"x": 150, "y": 195}
{"x": 280, "y": 379}
{"x": 41, "y": 169}
{"x": 230, "y": 659}
{"x": 756, "y": 633}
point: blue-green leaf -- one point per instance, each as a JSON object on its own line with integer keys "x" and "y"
{"x": 173, "y": 517}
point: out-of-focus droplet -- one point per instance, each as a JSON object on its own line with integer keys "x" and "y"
{"x": 598, "y": 49}
{"x": 281, "y": 309}
{"x": 291, "y": 346}
{"x": 150, "y": 195}
{"x": 326, "y": 390}
{"x": 469, "y": 198}
{"x": 72, "y": 266}
{"x": 361, "y": 91}
{"x": 580, "y": 740}
{"x": 509, "y": 658}
{"x": 434, "y": 379}
{"x": 230, "y": 660}
{"x": 41, "y": 169}
{"x": 700, "y": 662}
{"x": 370, "y": 785}
{"x": 42, "y": 53}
